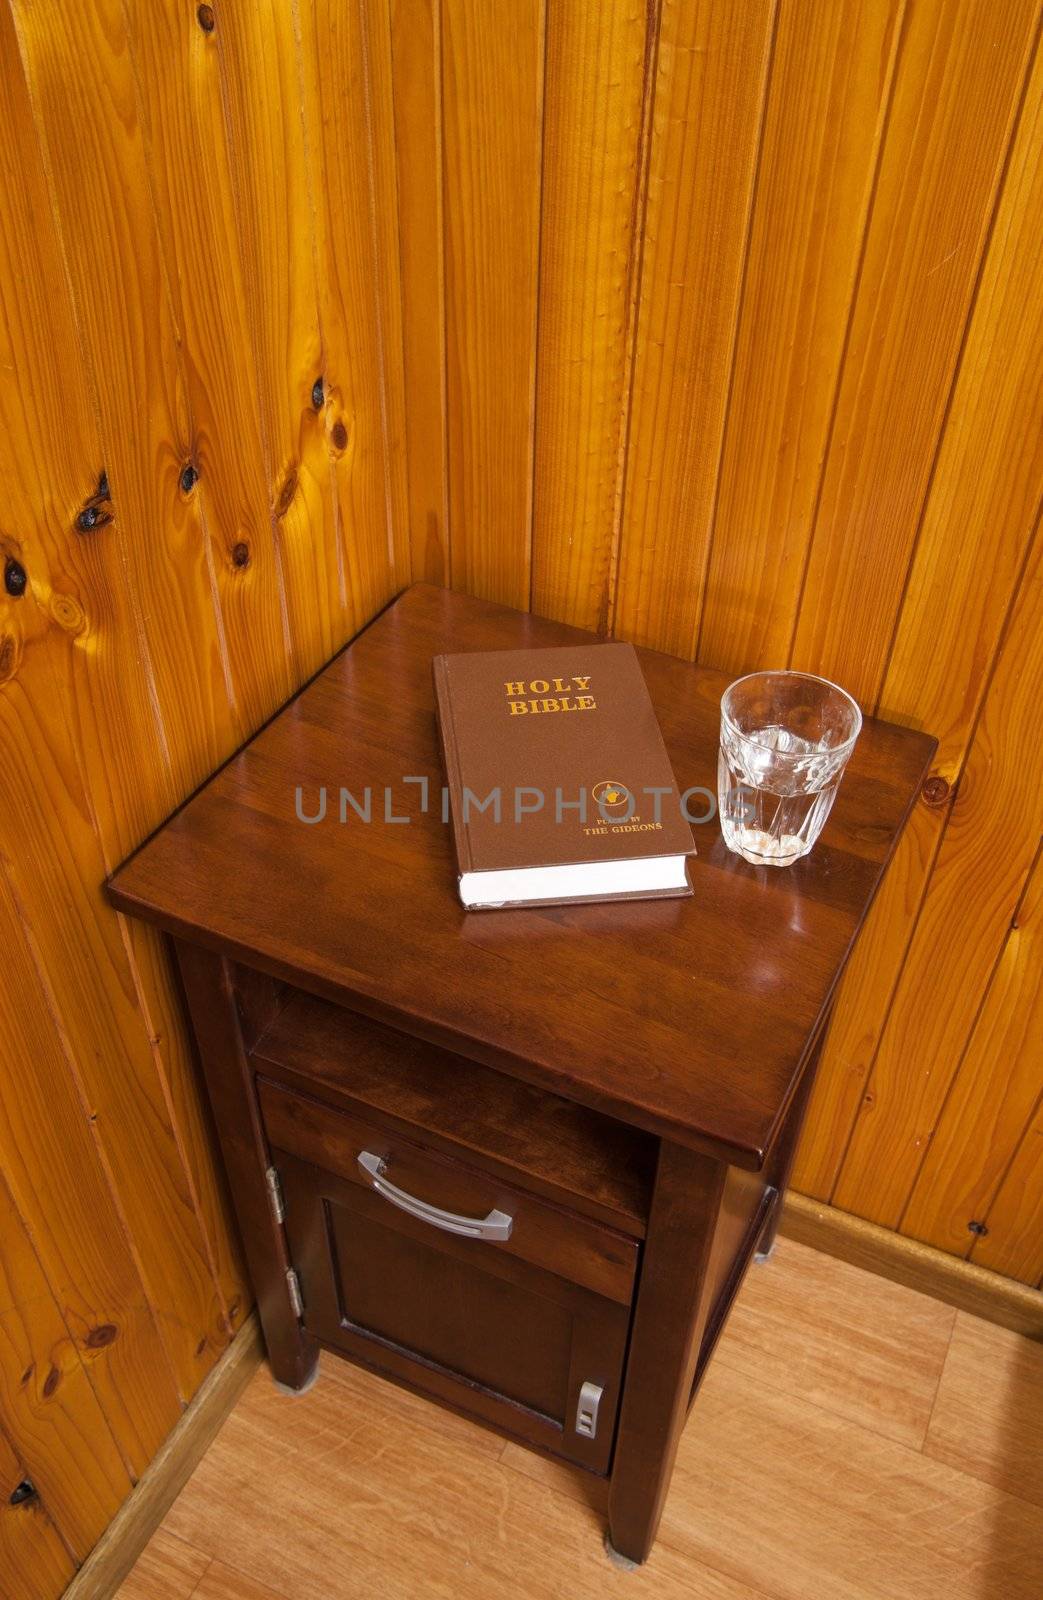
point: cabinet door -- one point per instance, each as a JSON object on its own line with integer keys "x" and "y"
{"x": 486, "y": 1332}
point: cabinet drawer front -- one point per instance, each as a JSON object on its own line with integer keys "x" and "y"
{"x": 574, "y": 1247}
{"x": 488, "y": 1334}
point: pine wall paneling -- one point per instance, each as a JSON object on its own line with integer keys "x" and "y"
{"x": 944, "y": 658}
{"x": 594, "y": 142}
{"x": 921, "y": 258}
{"x": 829, "y": 96}
{"x": 190, "y": 713}
{"x": 978, "y": 878}
{"x": 416, "y": 76}
{"x": 65, "y": 1446}
{"x": 715, "y": 325}
{"x": 349, "y": 114}
{"x": 260, "y": 73}
{"x": 989, "y": 1109}
{"x": 711, "y": 69}
{"x": 986, "y": 483}
{"x": 65, "y": 728}
{"x": 492, "y": 121}
{"x": 32, "y": 1554}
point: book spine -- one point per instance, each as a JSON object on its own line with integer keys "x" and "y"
{"x": 451, "y": 758}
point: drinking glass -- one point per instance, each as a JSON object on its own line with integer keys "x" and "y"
{"x": 785, "y": 741}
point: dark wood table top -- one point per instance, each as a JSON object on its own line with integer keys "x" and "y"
{"x": 690, "y": 1017}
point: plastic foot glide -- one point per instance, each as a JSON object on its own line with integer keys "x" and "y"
{"x": 624, "y": 1563}
{"x": 287, "y": 1388}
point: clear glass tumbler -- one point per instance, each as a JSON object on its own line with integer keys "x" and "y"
{"x": 785, "y": 741}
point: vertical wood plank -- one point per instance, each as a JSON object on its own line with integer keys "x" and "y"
{"x": 984, "y": 859}
{"x": 863, "y": 998}
{"x": 993, "y": 1096}
{"x": 988, "y": 484}
{"x": 276, "y": 227}
{"x": 947, "y": 140}
{"x": 179, "y": 87}
{"x": 416, "y": 49}
{"x": 78, "y": 948}
{"x": 32, "y": 1555}
{"x": 47, "y": 1405}
{"x": 86, "y": 772}
{"x": 54, "y": 1169}
{"x": 91, "y": 134}
{"x": 711, "y": 77}
{"x": 492, "y": 65}
{"x": 594, "y": 93}
{"x": 1014, "y": 1244}
{"x": 79, "y": 953}
{"x": 159, "y": 1001}
{"x": 78, "y": 576}
{"x": 345, "y": 53}
{"x": 178, "y": 74}
{"x": 831, "y": 84}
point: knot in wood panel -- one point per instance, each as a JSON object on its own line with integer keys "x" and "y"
{"x": 205, "y": 18}
{"x": 96, "y": 512}
{"x": 935, "y": 790}
{"x": 88, "y": 518}
{"x": 67, "y": 612}
{"x": 189, "y": 477}
{"x": 241, "y": 554}
{"x": 339, "y": 435}
{"x": 16, "y": 579}
{"x": 318, "y": 394}
{"x": 286, "y": 493}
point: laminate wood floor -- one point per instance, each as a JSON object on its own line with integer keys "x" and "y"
{"x": 854, "y": 1440}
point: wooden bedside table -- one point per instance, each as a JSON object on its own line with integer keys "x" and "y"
{"x": 517, "y": 1160}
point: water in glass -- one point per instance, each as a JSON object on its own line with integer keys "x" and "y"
{"x": 785, "y": 741}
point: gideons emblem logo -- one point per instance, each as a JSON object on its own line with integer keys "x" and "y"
{"x": 611, "y": 798}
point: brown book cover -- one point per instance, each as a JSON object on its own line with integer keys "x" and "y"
{"x": 554, "y": 760}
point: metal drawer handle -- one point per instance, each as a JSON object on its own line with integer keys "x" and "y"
{"x": 497, "y": 1225}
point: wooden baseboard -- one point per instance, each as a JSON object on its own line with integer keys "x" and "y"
{"x": 169, "y": 1470}
{"x": 919, "y": 1266}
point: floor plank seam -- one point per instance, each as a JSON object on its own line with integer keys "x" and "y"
{"x": 938, "y": 1385}
{"x": 663, "y": 1539}
{"x": 823, "y": 1408}
{"x": 988, "y": 1483}
{"x": 202, "y": 1576}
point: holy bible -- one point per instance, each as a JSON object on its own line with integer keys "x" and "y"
{"x": 559, "y": 784}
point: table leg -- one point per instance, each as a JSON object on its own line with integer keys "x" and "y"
{"x": 669, "y": 1318}
{"x": 211, "y": 992}
{"x": 779, "y": 1164}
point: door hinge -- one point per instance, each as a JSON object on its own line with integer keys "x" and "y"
{"x": 275, "y": 1199}
{"x": 293, "y": 1283}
